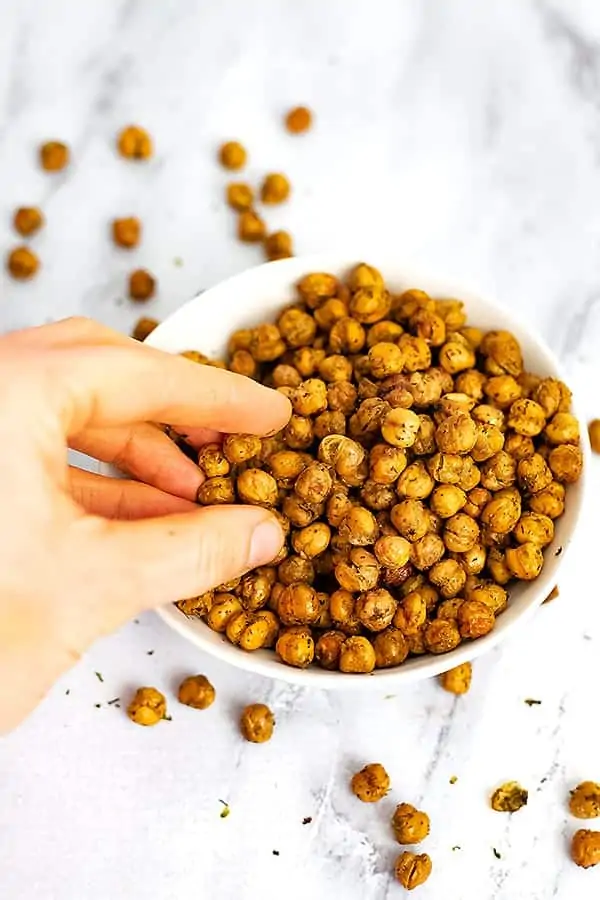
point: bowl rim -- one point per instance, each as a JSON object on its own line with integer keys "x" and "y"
{"x": 420, "y": 667}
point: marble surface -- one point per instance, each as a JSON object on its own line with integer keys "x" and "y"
{"x": 463, "y": 137}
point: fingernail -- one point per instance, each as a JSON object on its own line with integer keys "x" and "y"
{"x": 265, "y": 544}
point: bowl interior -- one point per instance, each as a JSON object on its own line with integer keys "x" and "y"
{"x": 255, "y": 296}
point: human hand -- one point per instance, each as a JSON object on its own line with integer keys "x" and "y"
{"x": 82, "y": 553}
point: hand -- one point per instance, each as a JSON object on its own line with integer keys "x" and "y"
{"x": 82, "y": 553}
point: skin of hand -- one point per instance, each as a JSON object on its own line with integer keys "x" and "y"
{"x": 82, "y": 553}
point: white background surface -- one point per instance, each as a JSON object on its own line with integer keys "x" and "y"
{"x": 461, "y": 136}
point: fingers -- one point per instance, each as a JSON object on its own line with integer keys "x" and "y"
{"x": 69, "y": 332}
{"x": 117, "y": 498}
{"x": 145, "y": 452}
{"x": 103, "y": 386}
{"x": 149, "y": 563}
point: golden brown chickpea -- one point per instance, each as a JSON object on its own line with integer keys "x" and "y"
{"x": 456, "y": 434}
{"x": 330, "y": 312}
{"x": 534, "y": 528}
{"x": 416, "y": 353}
{"x": 375, "y": 609}
{"x": 447, "y": 500}
{"x": 410, "y": 519}
{"x": 143, "y": 327}
{"x": 449, "y": 578}
{"x": 371, "y": 784}
{"x": 406, "y": 304}
{"x": 475, "y": 619}
{"x": 197, "y": 606}
{"x": 525, "y": 562}
{"x": 410, "y": 825}
{"x": 310, "y": 397}
{"x": 314, "y": 483}
{"x": 300, "y": 513}
{"x": 585, "y": 800}
{"x": 317, "y": 287}
{"x": 392, "y": 551}
{"x": 240, "y": 448}
{"x": 370, "y": 304}
{"x": 386, "y": 463}
{"x": 298, "y": 604}
{"x": 441, "y": 636}
{"x": 22, "y": 263}
{"x": 240, "y": 340}
{"x": 550, "y": 501}
{"x": 427, "y": 551}
{"x": 213, "y": 461}
{"x": 457, "y": 680}
{"x": 428, "y": 326}
{"x": 391, "y": 648}
{"x": 54, "y": 156}
{"x": 338, "y": 504}
{"x": 255, "y": 590}
{"x": 493, "y": 595}
{"x": 473, "y": 336}
{"x": 286, "y": 376}
{"x": 251, "y": 228}
{"x": 347, "y": 336}
{"x": 490, "y": 441}
{"x": 286, "y": 466}
{"x": 296, "y": 646}
{"x": 503, "y": 352}
{"x": 298, "y": 433}
{"x": 526, "y": 417}
{"x": 412, "y": 869}
{"x": 312, "y": 540}
{"x": 232, "y": 155}
{"x": 566, "y": 463}
{"x": 477, "y": 499}
{"x": 448, "y": 609}
{"x": 247, "y": 631}
{"x": 499, "y": 472}
{"x": 243, "y": 363}
{"x": 377, "y": 496}
{"x": 278, "y": 245}
{"x": 411, "y": 614}
{"x": 28, "y": 220}
{"x": 359, "y": 527}
{"x": 327, "y": 649}
{"x": 461, "y": 532}
{"x": 296, "y": 327}
{"x": 216, "y": 490}
{"x": 365, "y": 276}
{"x": 471, "y": 382}
{"x": 385, "y": 331}
{"x": 196, "y": 691}
{"x": 240, "y": 196}
{"x": 470, "y": 475}
{"x": 503, "y": 390}
{"x": 400, "y": 427}
{"x": 519, "y": 446}
{"x": 342, "y": 608}
{"x": 451, "y": 404}
{"x": 456, "y": 357}
{"x": 275, "y": 188}
{"x": 257, "y": 487}
{"x": 266, "y": 343}
{"x": 307, "y": 360}
{"x": 257, "y": 723}
{"x": 503, "y": 512}
{"x": 342, "y": 396}
{"x": 357, "y": 656}
{"x": 335, "y": 368}
{"x": 553, "y": 396}
{"x": 415, "y": 483}
{"x": 594, "y": 435}
{"x": 359, "y": 572}
{"x": 446, "y": 468}
{"x": 296, "y": 568}
{"x": 298, "y": 120}
{"x": 385, "y": 359}
{"x": 484, "y": 414}
{"x": 509, "y": 797}
{"x": 585, "y": 848}
{"x": 533, "y": 474}
{"x": 148, "y": 706}
{"x": 225, "y": 607}
{"x": 473, "y": 561}
{"x": 425, "y": 388}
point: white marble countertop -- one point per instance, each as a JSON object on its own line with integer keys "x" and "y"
{"x": 462, "y": 136}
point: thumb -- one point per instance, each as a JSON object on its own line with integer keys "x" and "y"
{"x": 160, "y": 560}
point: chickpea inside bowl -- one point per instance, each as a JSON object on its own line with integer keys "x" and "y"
{"x": 437, "y": 515}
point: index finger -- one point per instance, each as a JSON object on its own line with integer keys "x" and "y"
{"x": 109, "y": 385}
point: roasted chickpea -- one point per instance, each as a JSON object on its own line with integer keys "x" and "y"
{"x": 347, "y": 335}
{"x": 196, "y": 691}
{"x": 247, "y": 631}
{"x": 525, "y": 562}
{"x": 492, "y": 595}
{"x": 266, "y": 343}
{"x": 427, "y": 551}
{"x": 425, "y": 388}
{"x": 312, "y": 540}
{"x": 377, "y": 496}
{"x": 317, "y": 287}
{"x": 533, "y": 474}
{"x": 275, "y": 188}
{"x": 415, "y": 351}
{"x": 375, "y": 609}
{"x": 257, "y": 487}
{"x": 143, "y": 327}
{"x": 369, "y": 304}
{"x": 307, "y": 360}
{"x": 386, "y": 463}
{"x": 359, "y": 572}
{"x": 327, "y": 649}
{"x": 471, "y": 382}
{"x": 550, "y": 393}
{"x": 342, "y": 608}
{"x": 594, "y": 435}
{"x": 22, "y": 263}
{"x": 296, "y": 646}
{"x": 509, "y": 797}
{"x": 550, "y": 501}
{"x": 475, "y": 619}
{"x": 441, "y": 636}
{"x": 298, "y": 120}
{"x": 428, "y": 326}
{"x": 215, "y": 491}
{"x": 386, "y": 330}
{"x": 299, "y": 433}
{"x": 314, "y": 483}
{"x": 566, "y": 463}
{"x": 457, "y": 680}
{"x": 255, "y": 590}
{"x": 461, "y": 532}
{"x": 296, "y": 327}
{"x": 415, "y": 482}
{"x": 335, "y": 368}
{"x": 298, "y": 604}
{"x": 257, "y": 723}
{"x": 148, "y": 706}
{"x": 392, "y": 551}
{"x": 412, "y": 869}
{"x": 357, "y": 656}
{"x": 286, "y": 376}
{"x": 470, "y": 475}
{"x": 400, "y": 427}
{"x": 371, "y": 784}
{"x": 503, "y": 353}
{"x": 499, "y": 472}
{"x": 526, "y": 417}
{"x": 300, "y": 513}
{"x": 584, "y": 802}
{"x": 330, "y": 312}
{"x": 456, "y": 434}
{"x": 28, "y": 220}
{"x": 385, "y": 359}
{"x": 534, "y": 528}
{"x": 369, "y": 417}
{"x": 286, "y": 466}
{"x": 391, "y": 648}
{"x": 447, "y": 500}
{"x": 310, "y": 397}
{"x": 410, "y": 825}
{"x": 585, "y": 848}
{"x": 410, "y": 519}
{"x": 449, "y": 577}
{"x": 456, "y": 357}
{"x": 503, "y": 390}
{"x": 327, "y": 423}
{"x": 296, "y": 569}
{"x": 411, "y": 613}
{"x": 213, "y": 461}
{"x": 278, "y": 245}
{"x": 490, "y": 441}
{"x": 446, "y": 468}
{"x": 342, "y": 396}
{"x": 225, "y": 607}
{"x": 54, "y": 156}
{"x": 232, "y": 155}
{"x": 503, "y": 512}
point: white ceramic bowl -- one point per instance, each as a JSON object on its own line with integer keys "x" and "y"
{"x": 257, "y": 295}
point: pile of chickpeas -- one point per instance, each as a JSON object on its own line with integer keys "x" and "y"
{"x": 421, "y": 472}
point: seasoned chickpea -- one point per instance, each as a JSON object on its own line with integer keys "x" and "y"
{"x": 22, "y": 263}
{"x": 566, "y": 463}
{"x": 369, "y": 417}
{"x": 375, "y": 609}
{"x": 412, "y": 869}
{"x": 317, "y": 287}
{"x": 28, "y": 220}
{"x": 503, "y": 390}
{"x": 255, "y": 590}
{"x": 410, "y": 519}
{"x": 314, "y": 483}
{"x": 257, "y": 723}
{"x": 296, "y": 327}
{"x": 534, "y": 528}
{"x": 148, "y": 706}
{"x": 519, "y": 446}
{"x": 338, "y": 504}
{"x": 492, "y": 595}
{"x": 232, "y": 155}
{"x": 411, "y": 614}
{"x": 550, "y": 394}
{"x": 298, "y": 120}
{"x": 296, "y": 646}
{"x": 526, "y": 417}
{"x": 594, "y": 435}
{"x": 503, "y": 512}
{"x": 342, "y": 608}
{"x": 216, "y": 490}
{"x": 457, "y": 433}
{"x": 143, "y": 327}
{"x": 257, "y": 487}
{"x": 471, "y": 382}
{"x": 357, "y": 656}
{"x": 585, "y": 848}
{"x": 427, "y": 551}
{"x": 286, "y": 376}
{"x": 377, "y": 496}
{"x": 310, "y": 397}
{"x": 266, "y": 343}
{"x": 307, "y": 360}
{"x": 428, "y": 326}
{"x": 415, "y": 482}
{"x": 300, "y": 513}
{"x": 449, "y": 577}
{"x": 342, "y": 396}
{"x": 447, "y": 500}
{"x": 499, "y": 472}
{"x": 243, "y": 363}
{"x": 359, "y": 572}
{"x": 503, "y": 352}
{"x": 196, "y": 691}
{"x": 475, "y": 619}
{"x": 533, "y": 474}
{"x": 400, "y": 427}
{"x": 446, "y": 468}
{"x": 296, "y": 568}
{"x": 550, "y": 501}
{"x": 477, "y": 499}
{"x": 457, "y": 680}
{"x": 298, "y": 604}
{"x": 392, "y": 551}
{"x": 490, "y": 441}
{"x": 371, "y": 784}
{"x": 299, "y": 433}
{"x": 225, "y": 606}
{"x": 470, "y": 475}
{"x": 410, "y": 825}
{"x": 386, "y": 330}
{"x": 441, "y": 636}
{"x": 425, "y": 388}
{"x": 473, "y": 561}
{"x": 416, "y": 352}
{"x": 213, "y": 461}
{"x": 240, "y": 196}
{"x": 248, "y": 631}
{"x": 312, "y": 540}
{"x": 509, "y": 797}
{"x": 461, "y": 532}
{"x": 391, "y": 648}
{"x": 54, "y": 156}
{"x": 525, "y": 562}
{"x": 386, "y": 463}
{"x": 275, "y": 188}
{"x": 584, "y": 802}
{"x": 347, "y": 335}
{"x": 359, "y": 527}
{"x": 456, "y": 357}
{"x": 385, "y": 359}
{"x": 369, "y": 304}
{"x": 335, "y": 368}
{"x": 278, "y": 245}
{"x": 286, "y": 466}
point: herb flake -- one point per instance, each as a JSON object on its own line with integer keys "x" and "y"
{"x": 99, "y": 676}
{"x": 307, "y": 820}
{"x": 225, "y": 811}
{"x": 453, "y": 779}
{"x": 531, "y": 702}
{"x": 496, "y": 854}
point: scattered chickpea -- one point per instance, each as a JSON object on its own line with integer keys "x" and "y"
{"x": 232, "y": 155}
{"x": 410, "y": 825}
{"x": 143, "y": 327}
{"x": 585, "y": 848}
{"x": 412, "y": 870}
{"x": 135, "y": 143}
{"x": 584, "y": 802}
{"x": 458, "y": 679}
{"x": 371, "y": 784}
{"x": 54, "y": 156}
{"x": 275, "y": 188}
{"x": 510, "y": 797}
{"x": 127, "y": 232}
{"x": 251, "y": 228}
{"x": 357, "y": 655}
{"x": 594, "y": 435}
{"x": 196, "y": 691}
{"x": 278, "y": 245}
{"x": 257, "y": 723}
{"x": 142, "y": 285}
{"x": 28, "y": 220}
{"x": 240, "y": 196}
{"x": 148, "y": 706}
{"x": 298, "y": 120}
{"x": 22, "y": 263}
